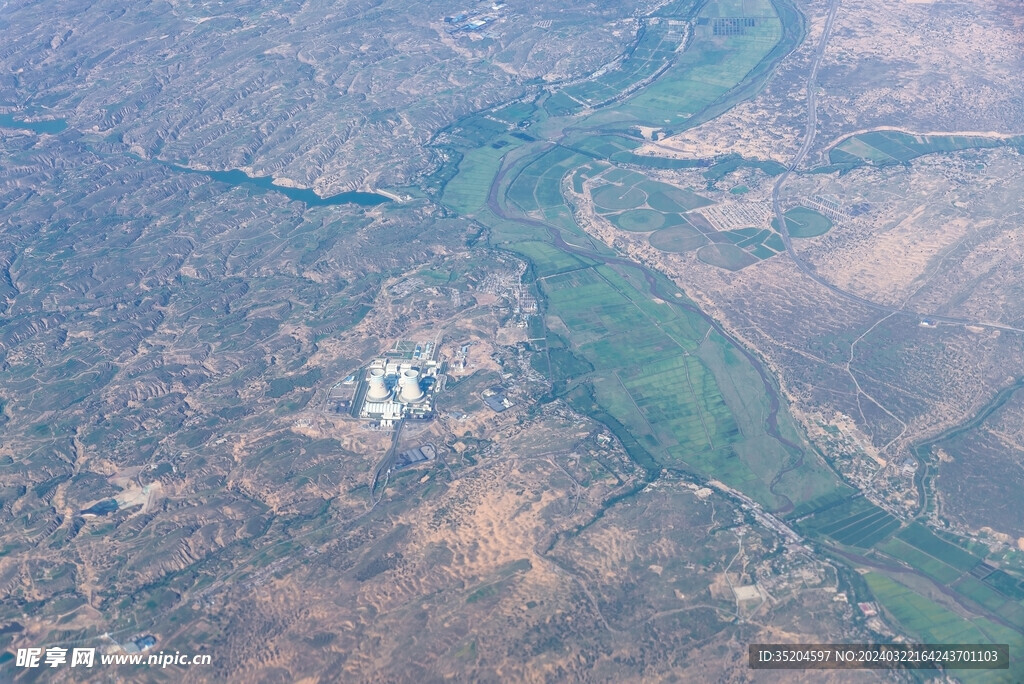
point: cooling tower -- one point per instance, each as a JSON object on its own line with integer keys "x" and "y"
{"x": 378, "y": 390}
{"x": 409, "y": 384}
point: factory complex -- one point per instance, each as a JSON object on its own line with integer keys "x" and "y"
{"x": 399, "y": 385}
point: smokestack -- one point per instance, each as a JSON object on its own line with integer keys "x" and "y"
{"x": 378, "y": 390}
{"x": 409, "y": 384}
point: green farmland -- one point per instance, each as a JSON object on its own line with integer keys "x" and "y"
{"x": 718, "y": 58}
{"x": 673, "y": 395}
{"x": 620, "y": 343}
{"x": 683, "y": 238}
{"x": 856, "y": 522}
{"x": 804, "y": 223}
{"x": 922, "y": 616}
{"x": 654, "y": 50}
{"x": 932, "y": 622}
{"x": 639, "y": 220}
{"x": 467, "y": 192}
{"x": 724, "y": 255}
{"x": 631, "y": 190}
{"x": 881, "y": 148}
{"x": 915, "y": 558}
{"x": 920, "y": 537}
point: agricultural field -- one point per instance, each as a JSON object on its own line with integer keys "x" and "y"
{"x": 684, "y": 238}
{"x": 639, "y": 220}
{"x": 923, "y": 539}
{"x": 679, "y": 397}
{"x": 467, "y": 191}
{"x": 655, "y": 49}
{"x": 931, "y": 622}
{"x": 727, "y": 256}
{"x": 730, "y": 40}
{"x": 546, "y": 260}
{"x": 626, "y": 189}
{"x": 604, "y": 147}
{"x": 921, "y": 616}
{"x": 930, "y": 565}
{"x": 802, "y": 222}
{"x": 856, "y": 522}
{"x": 538, "y": 185}
{"x": 881, "y": 148}
{"x": 634, "y": 203}
{"x": 675, "y": 396}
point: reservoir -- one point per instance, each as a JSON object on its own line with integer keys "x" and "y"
{"x": 265, "y": 183}
{"x": 47, "y": 126}
{"x": 233, "y": 177}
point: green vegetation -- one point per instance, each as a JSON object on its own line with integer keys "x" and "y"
{"x": 732, "y": 162}
{"x": 1011, "y": 586}
{"x": 920, "y": 537}
{"x": 538, "y": 185}
{"x": 729, "y": 43}
{"x": 921, "y": 616}
{"x": 631, "y": 193}
{"x": 929, "y": 622}
{"x": 881, "y": 148}
{"x": 677, "y": 239}
{"x": 759, "y": 243}
{"x": 611, "y": 198}
{"x": 548, "y": 260}
{"x": 680, "y": 404}
{"x": 467, "y": 191}
{"x": 655, "y": 48}
{"x": 639, "y": 220}
{"x": 672, "y": 199}
{"x": 515, "y": 112}
{"x": 929, "y": 565}
{"x": 725, "y": 256}
{"x": 564, "y": 364}
{"x": 281, "y": 386}
{"x": 982, "y": 594}
{"x": 854, "y": 522}
{"x": 804, "y": 223}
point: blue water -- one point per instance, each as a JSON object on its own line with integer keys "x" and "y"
{"x": 233, "y": 177}
{"x": 48, "y": 126}
{"x": 265, "y": 183}
{"x": 105, "y": 507}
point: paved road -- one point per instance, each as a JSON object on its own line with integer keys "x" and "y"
{"x": 495, "y": 204}
{"x": 808, "y": 269}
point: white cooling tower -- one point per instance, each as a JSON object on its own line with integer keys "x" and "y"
{"x": 409, "y": 385}
{"x": 378, "y": 390}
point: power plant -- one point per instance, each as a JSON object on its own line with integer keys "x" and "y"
{"x": 409, "y": 386}
{"x": 399, "y": 385}
{"x": 378, "y": 389}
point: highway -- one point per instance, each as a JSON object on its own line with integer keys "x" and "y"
{"x": 807, "y": 269}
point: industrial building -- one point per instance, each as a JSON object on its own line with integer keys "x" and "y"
{"x": 399, "y": 385}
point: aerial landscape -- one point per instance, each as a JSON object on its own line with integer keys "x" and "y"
{"x": 471, "y": 341}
